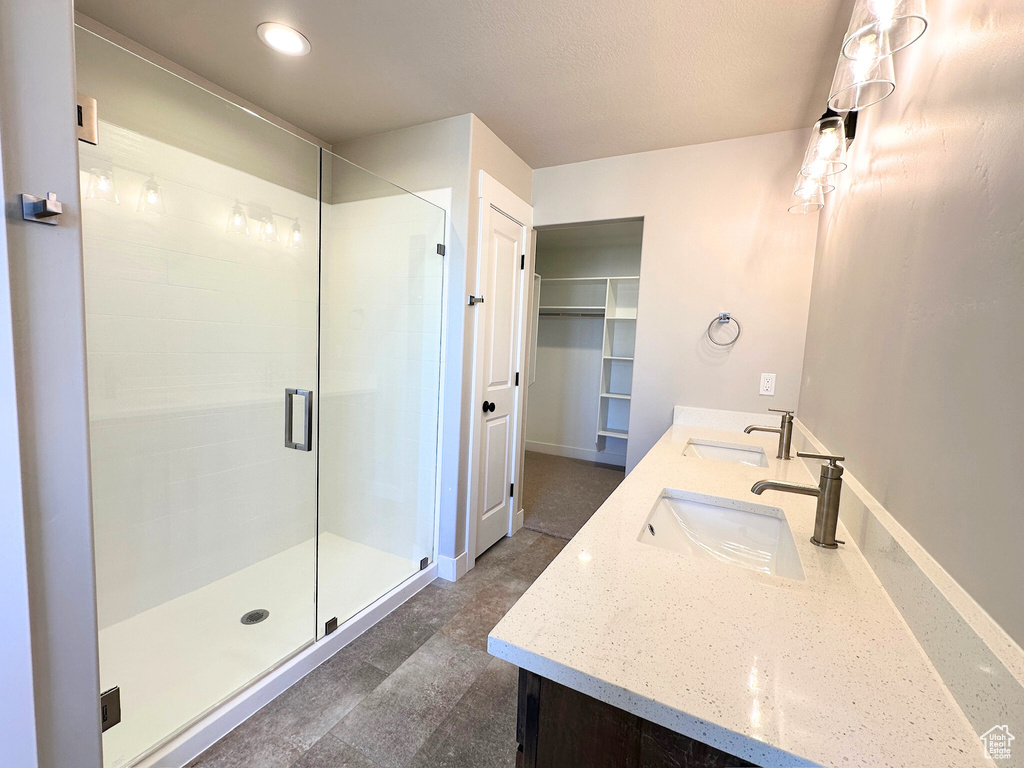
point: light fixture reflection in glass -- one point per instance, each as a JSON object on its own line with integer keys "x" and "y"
{"x": 805, "y": 185}
{"x": 238, "y": 222}
{"x": 101, "y": 187}
{"x": 826, "y": 151}
{"x": 283, "y": 39}
{"x": 151, "y": 199}
{"x": 881, "y": 27}
{"x": 295, "y": 239}
{"x": 268, "y": 230}
{"x": 859, "y": 83}
{"x": 808, "y": 195}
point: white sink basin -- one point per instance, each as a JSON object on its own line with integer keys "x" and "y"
{"x": 751, "y": 536}
{"x": 751, "y": 455}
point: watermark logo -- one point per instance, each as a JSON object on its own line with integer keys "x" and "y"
{"x": 997, "y": 742}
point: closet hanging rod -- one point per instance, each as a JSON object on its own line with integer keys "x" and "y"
{"x": 571, "y": 313}
{"x": 587, "y": 279}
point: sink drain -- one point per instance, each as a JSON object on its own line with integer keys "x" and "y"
{"x": 255, "y": 617}
{"x": 650, "y": 528}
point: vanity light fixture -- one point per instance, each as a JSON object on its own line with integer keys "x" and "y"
{"x": 295, "y": 239}
{"x": 283, "y": 38}
{"x": 151, "y": 198}
{"x": 238, "y": 222}
{"x": 879, "y": 28}
{"x": 861, "y": 82}
{"x": 268, "y": 230}
{"x": 808, "y": 194}
{"x": 826, "y": 151}
{"x": 101, "y": 186}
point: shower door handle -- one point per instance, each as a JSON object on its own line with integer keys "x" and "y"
{"x": 307, "y": 411}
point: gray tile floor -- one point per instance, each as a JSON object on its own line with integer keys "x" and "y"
{"x": 416, "y": 690}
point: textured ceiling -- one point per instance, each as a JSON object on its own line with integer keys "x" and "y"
{"x": 558, "y": 80}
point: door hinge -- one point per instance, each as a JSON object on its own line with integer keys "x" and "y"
{"x": 474, "y": 300}
{"x": 440, "y": 249}
{"x": 86, "y": 120}
{"x": 512, "y": 489}
{"x": 517, "y": 378}
{"x": 110, "y": 708}
{"x": 330, "y": 625}
{"x": 424, "y": 563}
{"x": 522, "y": 263}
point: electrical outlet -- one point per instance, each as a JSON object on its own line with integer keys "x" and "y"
{"x": 767, "y": 384}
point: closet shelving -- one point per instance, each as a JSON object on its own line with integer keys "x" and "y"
{"x": 614, "y": 299}
{"x": 617, "y": 361}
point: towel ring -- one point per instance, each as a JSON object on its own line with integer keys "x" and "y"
{"x": 724, "y": 318}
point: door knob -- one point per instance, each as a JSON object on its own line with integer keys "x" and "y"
{"x": 488, "y": 407}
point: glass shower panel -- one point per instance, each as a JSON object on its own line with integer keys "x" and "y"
{"x": 200, "y": 226}
{"x": 380, "y": 363}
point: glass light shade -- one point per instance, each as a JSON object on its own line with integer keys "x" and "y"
{"x": 826, "y": 151}
{"x": 808, "y": 195}
{"x": 101, "y": 187}
{"x": 805, "y": 185}
{"x": 881, "y": 27}
{"x": 238, "y": 222}
{"x": 151, "y": 198}
{"x": 268, "y": 230}
{"x": 859, "y": 83}
{"x": 295, "y": 239}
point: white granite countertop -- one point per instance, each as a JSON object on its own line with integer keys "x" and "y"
{"x": 777, "y": 671}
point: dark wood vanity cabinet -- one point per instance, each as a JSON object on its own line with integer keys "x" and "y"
{"x": 558, "y": 727}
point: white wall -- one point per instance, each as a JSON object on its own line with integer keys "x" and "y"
{"x": 40, "y": 155}
{"x": 717, "y": 237}
{"x": 915, "y": 348}
{"x": 17, "y": 711}
{"x": 605, "y": 249}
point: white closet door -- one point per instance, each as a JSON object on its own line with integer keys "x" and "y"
{"x": 502, "y": 282}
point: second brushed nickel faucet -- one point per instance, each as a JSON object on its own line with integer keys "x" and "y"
{"x": 828, "y": 490}
{"x": 784, "y": 430}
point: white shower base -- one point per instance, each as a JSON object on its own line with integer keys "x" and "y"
{"x": 177, "y": 660}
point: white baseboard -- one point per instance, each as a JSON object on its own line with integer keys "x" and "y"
{"x": 452, "y": 568}
{"x": 570, "y": 452}
{"x": 192, "y": 742}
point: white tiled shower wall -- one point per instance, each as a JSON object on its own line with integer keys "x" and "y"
{"x": 380, "y": 372}
{"x": 192, "y": 334}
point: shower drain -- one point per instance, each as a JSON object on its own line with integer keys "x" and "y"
{"x": 255, "y": 617}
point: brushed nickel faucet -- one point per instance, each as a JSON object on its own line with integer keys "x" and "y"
{"x": 826, "y": 517}
{"x": 784, "y": 430}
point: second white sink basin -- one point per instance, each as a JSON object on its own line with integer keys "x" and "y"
{"x": 751, "y": 536}
{"x": 736, "y": 453}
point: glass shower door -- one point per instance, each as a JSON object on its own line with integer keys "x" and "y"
{"x": 380, "y": 365}
{"x": 200, "y": 225}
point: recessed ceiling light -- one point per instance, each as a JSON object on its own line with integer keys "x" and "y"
{"x": 283, "y": 39}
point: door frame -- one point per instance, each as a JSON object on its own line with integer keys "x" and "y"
{"x": 494, "y": 195}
